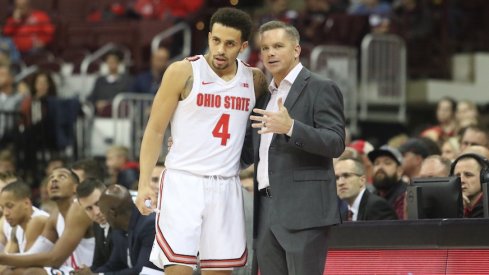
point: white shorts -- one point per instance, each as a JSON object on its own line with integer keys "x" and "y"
{"x": 199, "y": 216}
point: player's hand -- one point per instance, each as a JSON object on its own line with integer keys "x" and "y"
{"x": 146, "y": 193}
{"x": 272, "y": 122}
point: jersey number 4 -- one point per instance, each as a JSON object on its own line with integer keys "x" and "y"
{"x": 222, "y": 129}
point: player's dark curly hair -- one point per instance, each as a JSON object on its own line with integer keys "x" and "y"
{"x": 234, "y": 18}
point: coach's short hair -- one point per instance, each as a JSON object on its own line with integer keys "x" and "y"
{"x": 290, "y": 30}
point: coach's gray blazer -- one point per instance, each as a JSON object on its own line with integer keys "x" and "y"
{"x": 301, "y": 172}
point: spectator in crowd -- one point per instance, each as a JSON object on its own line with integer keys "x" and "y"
{"x": 414, "y": 151}
{"x": 23, "y": 222}
{"x": 473, "y": 170}
{"x": 412, "y": 20}
{"x": 149, "y": 81}
{"x": 477, "y": 149}
{"x": 9, "y": 102}
{"x": 7, "y": 161}
{"x": 474, "y": 135}
{"x": 467, "y": 114}
{"x": 277, "y": 10}
{"x": 351, "y": 187}
{"x": 39, "y": 136}
{"x": 176, "y": 11}
{"x": 149, "y": 9}
{"x": 9, "y": 98}
{"x": 387, "y": 178}
{"x": 39, "y": 128}
{"x": 364, "y": 147}
{"x": 66, "y": 241}
{"x": 120, "y": 169}
{"x": 88, "y": 168}
{"x": 312, "y": 20}
{"x": 88, "y": 194}
{"x": 108, "y": 86}
{"x": 447, "y": 123}
{"x": 435, "y": 166}
{"x": 133, "y": 234}
{"x": 371, "y": 7}
{"x": 450, "y": 149}
{"x": 6, "y": 177}
{"x": 30, "y": 29}
{"x": 34, "y": 108}
{"x": 8, "y": 51}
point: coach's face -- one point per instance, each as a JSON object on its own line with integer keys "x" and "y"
{"x": 280, "y": 52}
{"x": 224, "y": 46}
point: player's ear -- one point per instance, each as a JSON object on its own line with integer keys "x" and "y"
{"x": 243, "y": 46}
{"x": 27, "y": 202}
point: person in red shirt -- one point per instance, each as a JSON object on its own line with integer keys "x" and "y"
{"x": 159, "y": 9}
{"x": 30, "y": 29}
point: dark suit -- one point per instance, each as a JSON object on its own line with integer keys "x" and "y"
{"x": 103, "y": 246}
{"x": 293, "y": 224}
{"x": 373, "y": 207}
{"x": 138, "y": 241}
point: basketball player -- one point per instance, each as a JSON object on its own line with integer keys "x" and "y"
{"x": 208, "y": 99}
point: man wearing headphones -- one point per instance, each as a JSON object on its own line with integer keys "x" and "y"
{"x": 473, "y": 170}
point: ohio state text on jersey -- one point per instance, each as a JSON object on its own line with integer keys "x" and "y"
{"x": 208, "y": 127}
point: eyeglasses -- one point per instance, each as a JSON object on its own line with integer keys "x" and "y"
{"x": 346, "y": 176}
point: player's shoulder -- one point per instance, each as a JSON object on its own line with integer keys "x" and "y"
{"x": 193, "y": 58}
{"x": 179, "y": 68}
{"x": 245, "y": 64}
{"x": 257, "y": 72}
{"x": 37, "y": 221}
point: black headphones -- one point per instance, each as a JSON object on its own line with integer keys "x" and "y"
{"x": 483, "y": 162}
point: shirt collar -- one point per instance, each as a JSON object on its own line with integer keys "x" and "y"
{"x": 290, "y": 78}
{"x": 356, "y": 203}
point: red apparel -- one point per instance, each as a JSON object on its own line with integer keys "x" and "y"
{"x": 36, "y": 27}
{"x": 157, "y": 9}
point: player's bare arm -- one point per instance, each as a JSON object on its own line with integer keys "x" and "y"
{"x": 176, "y": 84}
{"x": 3, "y": 238}
{"x": 49, "y": 231}
{"x": 260, "y": 82}
{"x": 77, "y": 224}
{"x": 34, "y": 229}
{"x": 12, "y": 244}
{"x": 188, "y": 87}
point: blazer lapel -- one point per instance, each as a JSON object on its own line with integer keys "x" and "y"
{"x": 296, "y": 89}
{"x": 362, "y": 207}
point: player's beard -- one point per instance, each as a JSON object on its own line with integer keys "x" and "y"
{"x": 382, "y": 181}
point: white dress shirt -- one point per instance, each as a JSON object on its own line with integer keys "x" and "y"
{"x": 281, "y": 91}
{"x": 356, "y": 205}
